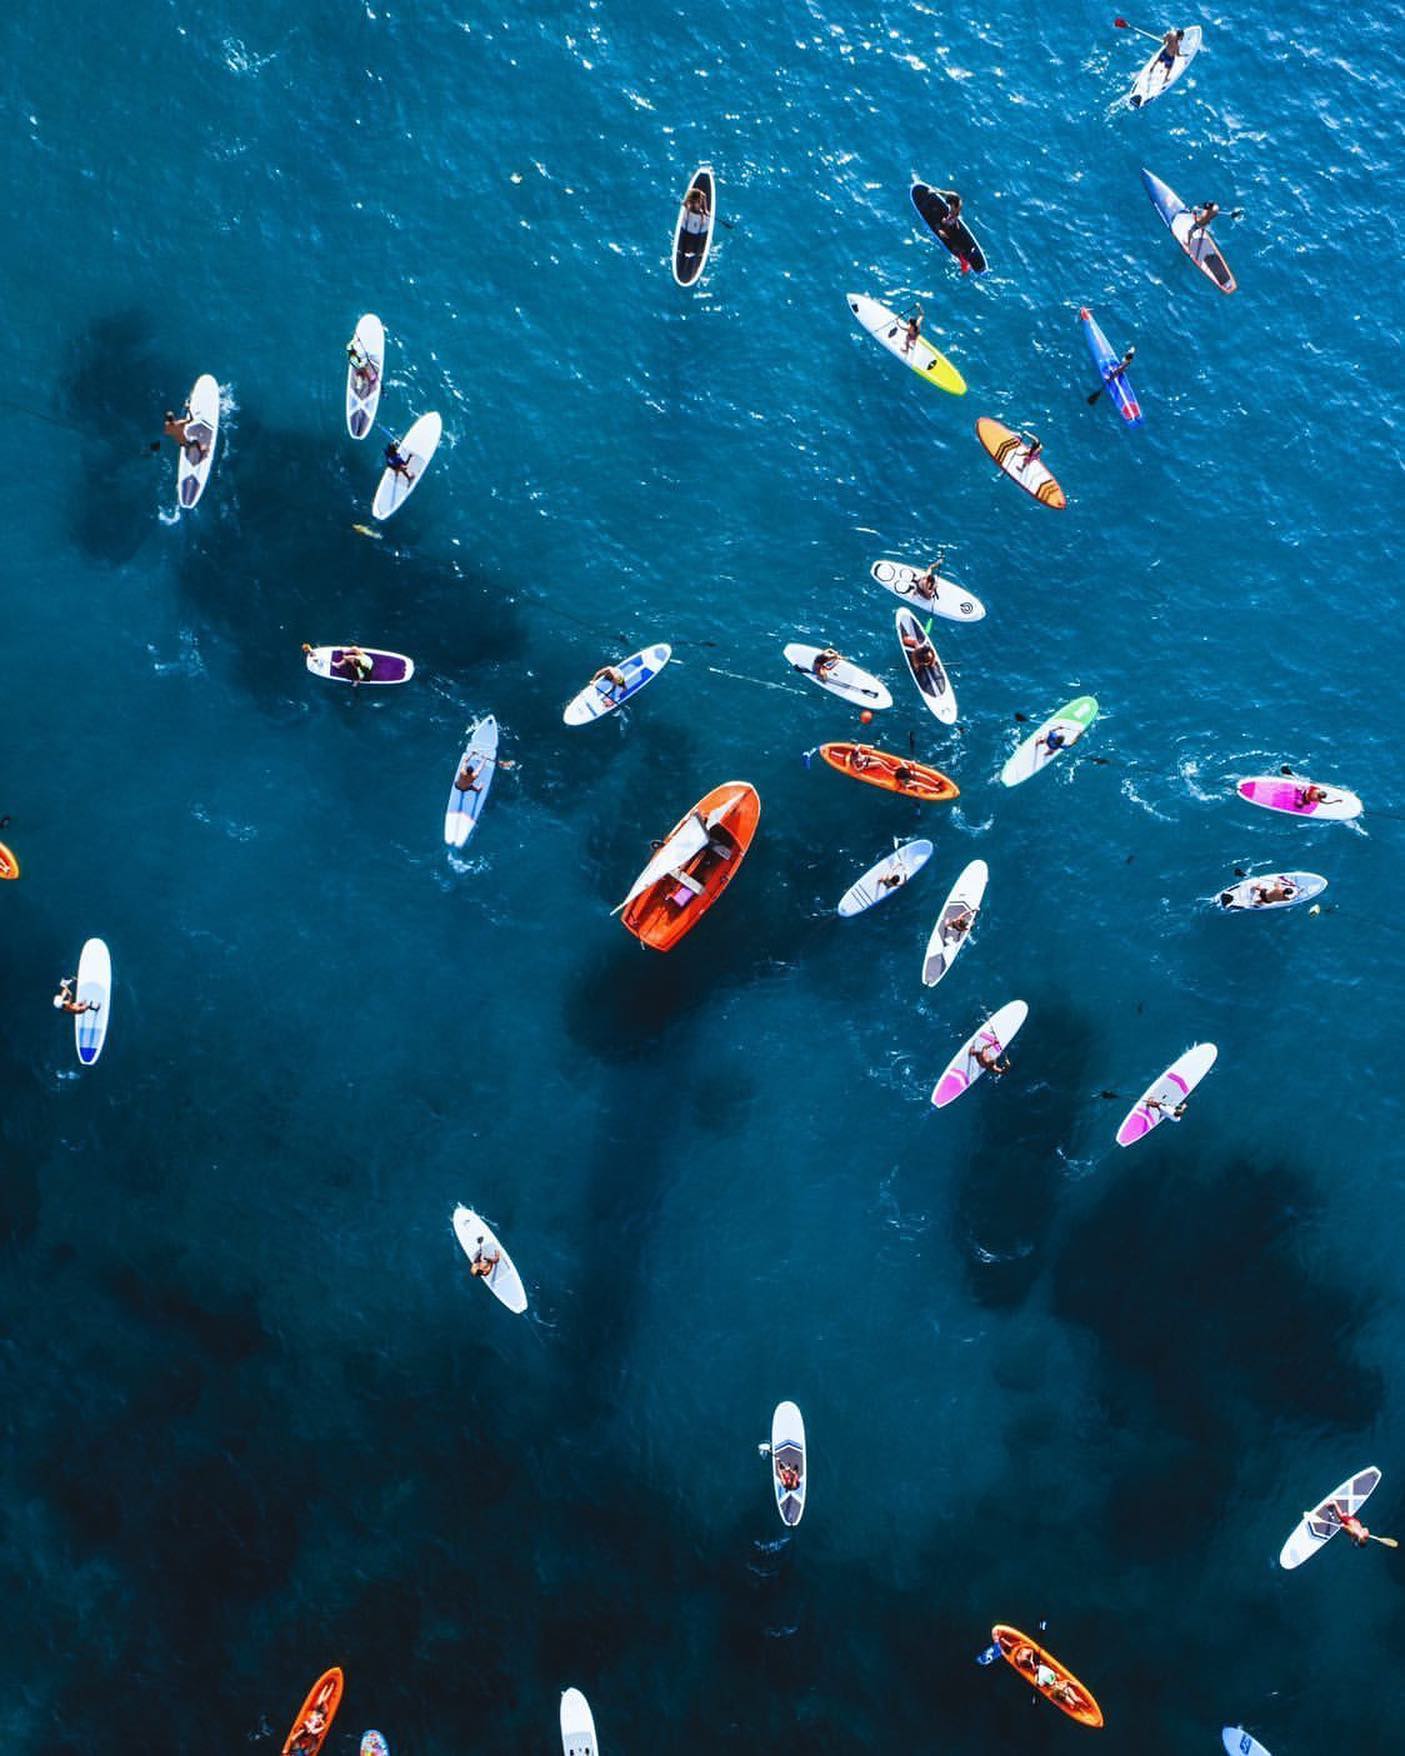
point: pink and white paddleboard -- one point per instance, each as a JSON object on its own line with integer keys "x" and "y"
{"x": 1161, "y": 1097}
{"x": 963, "y": 1070}
{"x": 1288, "y": 793}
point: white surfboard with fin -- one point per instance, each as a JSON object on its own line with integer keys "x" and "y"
{"x": 577, "y": 1725}
{"x": 94, "y": 984}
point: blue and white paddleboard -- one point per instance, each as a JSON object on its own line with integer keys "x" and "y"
{"x": 603, "y": 695}
{"x": 1238, "y": 1742}
{"x": 889, "y": 875}
{"x": 788, "y": 1453}
{"x": 94, "y": 985}
{"x": 472, "y": 778}
{"x": 1107, "y": 360}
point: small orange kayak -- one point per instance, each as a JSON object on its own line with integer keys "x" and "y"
{"x": 9, "y": 863}
{"x": 310, "y": 1728}
{"x": 1064, "y": 1690}
{"x": 895, "y": 774}
{"x": 693, "y": 866}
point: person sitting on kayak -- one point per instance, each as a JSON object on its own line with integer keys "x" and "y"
{"x": 1065, "y": 1694}
{"x": 396, "y": 464}
{"x": 788, "y": 1477}
{"x": 825, "y": 662}
{"x": 310, "y": 1733}
{"x": 65, "y": 1002}
{"x": 914, "y": 329}
{"x": 1202, "y": 216}
{"x": 1120, "y": 368}
{"x": 482, "y": 1266}
{"x": 1170, "y": 49}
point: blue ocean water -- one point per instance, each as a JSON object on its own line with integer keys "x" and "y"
{"x": 258, "y": 1419}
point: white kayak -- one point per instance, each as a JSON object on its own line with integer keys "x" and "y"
{"x": 1158, "y": 1103}
{"x": 843, "y": 679}
{"x": 963, "y": 1069}
{"x": 954, "y": 923}
{"x": 577, "y": 1725}
{"x": 202, "y": 427}
{"x": 363, "y": 390}
{"x": 603, "y": 694}
{"x": 93, "y": 984}
{"x": 925, "y": 667}
{"x": 948, "y": 599}
{"x": 886, "y": 878}
{"x": 1059, "y": 732}
{"x": 1158, "y": 76}
{"x": 472, "y": 778}
{"x": 1315, "y": 1529}
{"x": 478, "y": 1243}
{"x": 788, "y": 1453}
{"x": 417, "y": 448}
{"x": 1253, "y": 892}
{"x": 1237, "y": 1742}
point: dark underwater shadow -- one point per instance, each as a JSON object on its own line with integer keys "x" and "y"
{"x": 114, "y": 390}
{"x": 1008, "y": 1188}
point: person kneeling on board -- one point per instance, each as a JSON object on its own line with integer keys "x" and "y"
{"x": 363, "y": 366}
{"x": 64, "y": 1001}
{"x": 1055, "y": 739}
{"x": 613, "y": 679}
{"x": 924, "y": 585}
{"x": 788, "y": 1476}
{"x": 482, "y": 1265}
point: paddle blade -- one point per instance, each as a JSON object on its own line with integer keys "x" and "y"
{"x": 1121, "y": 24}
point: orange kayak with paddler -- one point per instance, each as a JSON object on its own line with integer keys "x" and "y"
{"x": 1061, "y": 1687}
{"x": 310, "y": 1728}
{"x": 895, "y": 774}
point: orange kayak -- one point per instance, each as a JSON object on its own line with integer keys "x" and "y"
{"x": 9, "y": 864}
{"x": 310, "y": 1728}
{"x": 1065, "y": 1691}
{"x": 895, "y": 774}
{"x": 693, "y": 866}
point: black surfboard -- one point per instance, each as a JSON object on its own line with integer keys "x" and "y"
{"x": 934, "y": 205}
{"x": 690, "y": 248}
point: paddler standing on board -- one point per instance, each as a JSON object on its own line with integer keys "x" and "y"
{"x": 1031, "y": 442}
{"x": 1170, "y": 49}
{"x": 1201, "y": 217}
{"x": 396, "y": 464}
{"x": 363, "y": 368}
{"x": 914, "y": 329}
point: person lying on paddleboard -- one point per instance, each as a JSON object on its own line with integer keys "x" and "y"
{"x": 466, "y": 780}
{"x": 482, "y": 1265}
{"x": 914, "y": 329}
{"x": 959, "y": 925}
{"x": 1352, "y": 1525}
{"x": 355, "y": 663}
{"x": 363, "y": 366}
{"x": 1276, "y": 890}
{"x": 1057, "y": 738}
{"x": 825, "y": 662}
{"x": 1170, "y": 49}
{"x": 397, "y": 465}
{"x": 892, "y": 880}
{"x": 788, "y": 1476}
{"x": 65, "y": 1002}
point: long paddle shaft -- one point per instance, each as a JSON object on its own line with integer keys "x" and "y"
{"x": 1122, "y": 24}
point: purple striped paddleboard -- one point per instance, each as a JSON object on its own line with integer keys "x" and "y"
{"x": 1158, "y": 1102}
{"x": 332, "y": 662}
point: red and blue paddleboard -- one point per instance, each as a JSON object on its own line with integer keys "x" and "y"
{"x": 1105, "y": 359}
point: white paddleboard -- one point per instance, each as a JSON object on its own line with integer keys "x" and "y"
{"x": 948, "y": 599}
{"x": 577, "y": 1725}
{"x": 1172, "y": 1088}
{"x": 1071, "y": 721}
{"x": 1238, "y": 1742}
{"x": 197, "y": 456}
{"x": 788, "y": 1451}
{"x": 846, "y": 681}
{"x": 1156, "y": 77}
{"x": 1317, "y": 1528}
{"x": 94, "y": 984}
{"x": 602, "y": 695}
{"x": 890, "y": 331}
{"x": 417, "y": 447}
{"x": 478, "y": 765}
{"x": 963, "y": 1069}
{"x": 1286, "y": 793}
{"x": 1247, "y": 895}
{"x": 886, "y": 878}
{"x": 476, "y": 1238}
{"x": 946, "y": 941}
{"x": 933, "y": 684}
{"x": 363, "y": 399}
